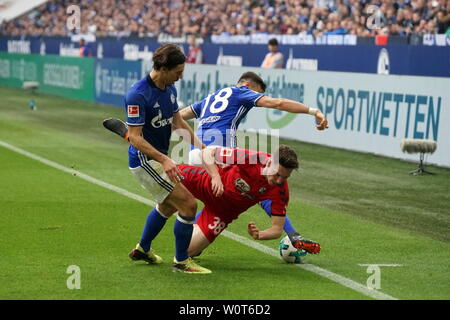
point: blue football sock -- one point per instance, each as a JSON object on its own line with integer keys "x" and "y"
{"x": 155, "y": 222}
{"x": 267, "y": 206}
{"x": 197, "y": 215}
{"x": 183, "y": 232}
{"x": 288, "y": 227}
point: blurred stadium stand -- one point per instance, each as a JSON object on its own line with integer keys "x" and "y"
{"x": 10, "y": 10}
{"x": 415, "y": 33}
{"x": 232, "y": 17}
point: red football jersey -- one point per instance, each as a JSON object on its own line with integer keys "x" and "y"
{"x": 244, "y": 186}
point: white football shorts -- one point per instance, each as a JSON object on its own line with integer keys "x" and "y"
{"x": 152, "y": 177}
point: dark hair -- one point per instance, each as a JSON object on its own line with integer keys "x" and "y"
{"x": 253, "y": 77}
{"x": 273, "y": 42}
{"x": 287, "y": 157}
{"x": 168, "y": 56}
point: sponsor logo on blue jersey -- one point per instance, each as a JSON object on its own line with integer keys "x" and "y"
{"x": 159, "y": 121}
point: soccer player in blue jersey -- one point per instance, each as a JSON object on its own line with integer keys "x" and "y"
{"x": 152, "y": 111}
{"x": 220, "y": 113}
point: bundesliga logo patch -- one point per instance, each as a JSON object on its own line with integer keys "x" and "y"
{"x": 133, "y": 111}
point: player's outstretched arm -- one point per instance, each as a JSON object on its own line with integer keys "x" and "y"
{"x": 274, "y": 232}
{"x": 187, "y": 113}
{"x": 293, "y": 107}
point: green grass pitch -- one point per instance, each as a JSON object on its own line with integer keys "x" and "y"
{"x": 362, "y": 208}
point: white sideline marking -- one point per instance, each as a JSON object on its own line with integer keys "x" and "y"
{"x": 380, "y": 265}
{"x": 245, "y": 241}
{"x": 346, "y": 282}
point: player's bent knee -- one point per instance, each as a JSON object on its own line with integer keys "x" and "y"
{"x": 190, "y": 206}
{"x": 183, "y": 200}
{"x": 166, "y": 209}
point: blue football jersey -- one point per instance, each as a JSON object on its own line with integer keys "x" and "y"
{"x": 220, "y": 113}
{"x": 148, "y": 106}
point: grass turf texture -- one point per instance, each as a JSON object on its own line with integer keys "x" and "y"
{"x": 362, "y": 208}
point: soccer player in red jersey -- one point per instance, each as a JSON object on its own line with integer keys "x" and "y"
{"x": 230, "y": 182}
{"x": 234, "y": 180}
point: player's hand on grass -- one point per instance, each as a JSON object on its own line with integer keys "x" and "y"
{"x": 253, "y": 230}
{"x": 321, "y": 122}
{"x": 172, "y": 171}
{"x": 217, "y": 186}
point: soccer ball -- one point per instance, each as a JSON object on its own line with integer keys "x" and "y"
{"x": 289, "y": 253}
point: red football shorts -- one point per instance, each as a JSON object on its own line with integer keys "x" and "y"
{"x": 212, "y": 223}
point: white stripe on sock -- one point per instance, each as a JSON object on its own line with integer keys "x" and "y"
{"x": 183, "y": 219}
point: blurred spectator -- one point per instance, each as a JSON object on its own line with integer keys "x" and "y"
{"x": 195, "y": 53}
{"x": 85, "y": 51}
{"x": 232, "y": 17}
{"x": 274, "y": 58}
{"x": 443, "y": 22}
